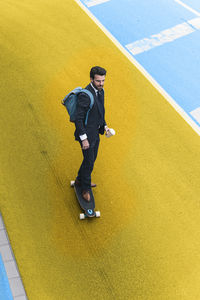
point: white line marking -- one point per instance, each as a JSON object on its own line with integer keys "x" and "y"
{"x": 165, "y": 36}
{"x": 173, "y": 103}
{"x": 90, "y": 3}
{"x": 188, "y": 7}
{"x": 196, "y": 114}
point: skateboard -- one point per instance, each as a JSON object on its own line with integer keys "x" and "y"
{"x": 87, "y": 207}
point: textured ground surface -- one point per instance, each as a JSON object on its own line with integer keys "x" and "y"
{"x": 147, "y": 243}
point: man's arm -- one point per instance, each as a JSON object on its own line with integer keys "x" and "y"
{"x": 104, "y": 127}
{"x": 81, "y": 110}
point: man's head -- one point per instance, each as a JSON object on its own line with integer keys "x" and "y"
{"x": 97, "y": 77}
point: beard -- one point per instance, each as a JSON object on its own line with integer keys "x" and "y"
{"x": 96, "y": 87}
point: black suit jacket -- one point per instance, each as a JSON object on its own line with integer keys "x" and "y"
{"x": 96, "y": 118}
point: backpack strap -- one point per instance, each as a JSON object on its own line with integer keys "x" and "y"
{"x": 91, "y": 103}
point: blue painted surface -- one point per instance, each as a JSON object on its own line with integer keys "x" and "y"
{"x": 175, "y": 68}
{"x": 175, "y": 65}
{"x": 5, "y": 291}
{"x": 194, "y": 4}
{"x": 129, "y": 20}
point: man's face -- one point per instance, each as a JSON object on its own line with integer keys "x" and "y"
{"x": 98, "y": 81}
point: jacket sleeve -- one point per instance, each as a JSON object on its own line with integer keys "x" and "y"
{"x": 102, "y": 128}
{"x": 83, "y": 104}
{"x": 104, "y": 122}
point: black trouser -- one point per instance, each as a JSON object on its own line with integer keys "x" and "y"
{"x": 85, "y": 171}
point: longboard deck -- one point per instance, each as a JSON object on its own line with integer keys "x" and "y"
{"x": 87, "y": 207}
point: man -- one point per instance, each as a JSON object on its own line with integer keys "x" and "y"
{"x": 88, "y": 136}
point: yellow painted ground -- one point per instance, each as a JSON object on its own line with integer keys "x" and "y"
{"x": 147, "y": 243}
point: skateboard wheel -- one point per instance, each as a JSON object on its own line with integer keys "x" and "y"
{"x": 98, "y": 214}
{"x": 72, "y": 183}
{"x": 82, "y": 216}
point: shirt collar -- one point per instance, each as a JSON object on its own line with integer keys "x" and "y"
{"x": 96, "y": 91}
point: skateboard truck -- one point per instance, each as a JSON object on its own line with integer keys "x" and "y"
{"x": 83, "y": 216}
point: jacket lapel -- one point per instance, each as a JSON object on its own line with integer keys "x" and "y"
{"x": 99, "y": 103}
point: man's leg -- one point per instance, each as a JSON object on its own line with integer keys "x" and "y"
{"x": 89, "y": 157}
{"x": 96, "y": 147}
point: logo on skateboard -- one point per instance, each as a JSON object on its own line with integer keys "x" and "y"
{"x": 90, "y": 211}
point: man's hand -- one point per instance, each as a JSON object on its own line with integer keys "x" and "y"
{"x": 85, "y": 144}
{"x": 106, "y": 129}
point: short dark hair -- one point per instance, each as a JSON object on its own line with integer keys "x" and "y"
{"x": 97, "y": 71}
